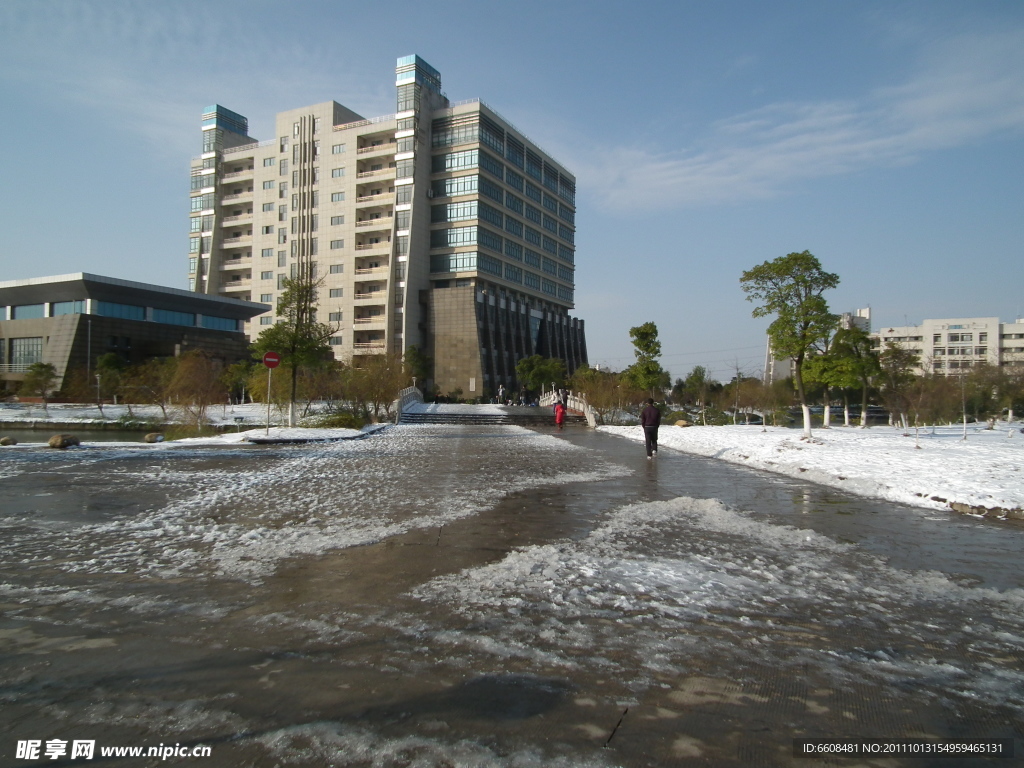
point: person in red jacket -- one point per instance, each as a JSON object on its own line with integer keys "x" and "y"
{"x": 559, "y": 414}
{"x": 650, "y": 420}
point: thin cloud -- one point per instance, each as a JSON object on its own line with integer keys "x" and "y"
{"x": 966, "y": 90}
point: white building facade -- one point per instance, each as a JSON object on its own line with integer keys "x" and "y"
{"x": 949, "y": 345}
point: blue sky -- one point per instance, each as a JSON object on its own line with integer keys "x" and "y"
{"x": 887, "y": 138}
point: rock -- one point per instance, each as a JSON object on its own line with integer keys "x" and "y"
{"x": 8, "y": 441}
{"x": 63, "y": 441}
{"x": 683, "y": 423}
{"x": 154, "y": 437}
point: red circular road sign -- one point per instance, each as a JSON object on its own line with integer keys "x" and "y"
{"x": 271, "y": 359}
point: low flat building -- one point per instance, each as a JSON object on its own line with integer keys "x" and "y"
{"x": 949, "y": 345}
{"x": 70, "y": 321}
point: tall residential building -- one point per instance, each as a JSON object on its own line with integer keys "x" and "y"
{"x": 441, "y": 226}
{"x": 949, "y": 345}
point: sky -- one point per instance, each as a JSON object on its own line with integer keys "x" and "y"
{"x": 887, "y": 138}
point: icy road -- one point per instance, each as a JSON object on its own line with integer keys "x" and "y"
{"x": 488, "y": 596}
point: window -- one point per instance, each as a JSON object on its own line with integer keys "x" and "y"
{"x": 266, "y": 320}
{"x": 337, "y": 269}
{"x": 336, "y": 244}
{"x": 195, "y": 224}
{"x": 268, "y": 230}
{"x": 442, "y": 238}
{"x": 266, "y": 275}
{"x": 489, "y": 240}
{"x": 564, "y": 293}
{"x": 514, "y": 226}
{"x": 170, "y": 317}
{"x": 315, "y": 175}
{"x": 534, "y": 214}
{"x": 267, "y": 207}
{"x": 336, "y": 293}
{"x": 983, "y": 337}
{"x": 282, "y": 213}
{"x": 266, "y": 298}
{"x": 533, "y": 192}
{"x": 404, "y": 169}
{"x": 124, "y": 311}
{"x": 567, "y": 214}
{"x": 492, "y": 191}
{"x": 550, "y": 224}
{"x": 201, "y": 202}
{"x": 193, "y": 262}
{"x": 193, "y": 245}
{"x": 531, "y": 280}
{"x": 282, "y": 235}
{"x": 337, "y": 173}
{"x": 532, "y": 236}
{"x": 314, "y": 222}
{"x": 564, "y": 273}
{"x": 28, "y": 312}
{"x": 566, "y": 234}
{"x": 491, "y": 215}
{"x": 534, "y": 166}
{"x": 513, "y": 250}
{"x": 513, "y": 273}
{"x": 314, "y": 247}
{"x": 27, "y": 351}
{"x": 267, "y": 253}
{"x": 457, "y": 185}
{"x": 454, "y": 161}
{"x": 282, "y": 257}
{"x": 550, "y": 267}
{"x": 268, "y": 161}
{"x": 282, "y": 168}
{"x": 336, "y": 220}
{"x": 487, "y": 264}
{"x": 454, "y": 262}
{"x": 532, "y": 258}
{"x": 337, "y": 197}
{"x": 515, "y": 153}
{"x": 281, "y": 277}
{"x": 549, "y": 287}
{"x": 338, "y": 149}
{"x": 492, "y": 166}
{"x": 514, "y": 203}
{"x": 403, "y": 219}
{"x": 566, "y": 254}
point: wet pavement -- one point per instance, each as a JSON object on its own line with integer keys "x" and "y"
{"x": 474, "y": 596}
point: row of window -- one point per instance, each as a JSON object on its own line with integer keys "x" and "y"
{"x": 464, "y": 129}
{"x": 482, "y": 262}
{"x": 464, "y": 211}
{"x": 124, "y": 311}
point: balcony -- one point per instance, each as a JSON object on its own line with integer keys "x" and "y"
{"x": 236, "y": 196}
{"x": 379, "y": 199}
{"x": 14, "y": 367}
{"x": 381, "y": 222}
{"x": 381, "y": 174}
{"x": 245, "y": 217}
{"x": 378, "y": 296}
{"x": 370, "y": 347}
{"x": 234, "y": 242}
{"x": 373, "y": 270}
{"x": 235, "y": 175}
{"x": 382, "y": 246}
{"x": 368, "y": 323}
{"x": 387, "y": 147}
{"x": 236, "y": 263}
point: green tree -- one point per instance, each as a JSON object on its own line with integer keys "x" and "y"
{"x": 298, "y": 337}
{"x": 852, "y": 363}
{"x": 236, "y": 379}
{"x": 646, "y": 373}
{"x": 537, "y": 373}
{"x": 39, "y": 381}
{"x": 896, "y": 375}
{"x": 791, "y": 287}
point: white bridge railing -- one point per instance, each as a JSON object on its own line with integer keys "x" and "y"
{"x": 405, "y": 398}
{"x": 573, "y": 402}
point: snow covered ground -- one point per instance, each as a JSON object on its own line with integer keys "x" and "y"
{"x": 88, "y": 414}
{"x": 933, "y": 469}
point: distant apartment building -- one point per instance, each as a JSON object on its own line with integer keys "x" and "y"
{"x": 441, "y": 226}
{"x": 70, "y": 321}
{"x": 949, "y": 345}
{"x": 776, "y": 368}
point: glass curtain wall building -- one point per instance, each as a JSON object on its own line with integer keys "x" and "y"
{"x": 441, "y": 226}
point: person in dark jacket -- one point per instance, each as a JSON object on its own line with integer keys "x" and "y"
{"x": 650, "y": 420}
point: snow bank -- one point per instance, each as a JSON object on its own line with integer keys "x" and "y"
{"x": 984, "y": 472}
{"x": 455, "y": 409}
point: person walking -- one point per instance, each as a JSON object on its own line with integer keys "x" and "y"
{"x": 650, "y": 420}
{"x": 559, "y": 414}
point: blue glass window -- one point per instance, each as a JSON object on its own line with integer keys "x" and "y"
{"x": 513, "y": 250}
{"x": 69, "y": 307}
{"x": 532, "y": 236}
{"x": 532, "y": 258}
{"x": 457, "y": 185}
{"x": 491, "y": 215}
{"x": 124, "y": 311}
{"x": 566, "y": 234}
{"x": 454, "y": 161}
{"x": 492, "y": 166}
{"x": 514, "y": 203}
{"x": 493, "y": 266}
{"x": 490, "y": 240}
{"x": 220, "y": 323}
{"x": 492, "y": 190}
{"x": 453, "y": 262}
{"x": 531, "y": 280}
{"x": 566, "y": 254}
{"x": 28, "y": 311}
{"x": 170, "y": 317}
{"x": 514, "y": 226}
{"x": 513, "y": 273}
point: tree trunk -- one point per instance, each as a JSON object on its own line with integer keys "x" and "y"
{"x": 798, "y": 377}
{"x": 846, "y": 409}
{"x": 826, "y": 416}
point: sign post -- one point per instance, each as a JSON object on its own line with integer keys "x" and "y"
{"x": 271, "y": 360}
